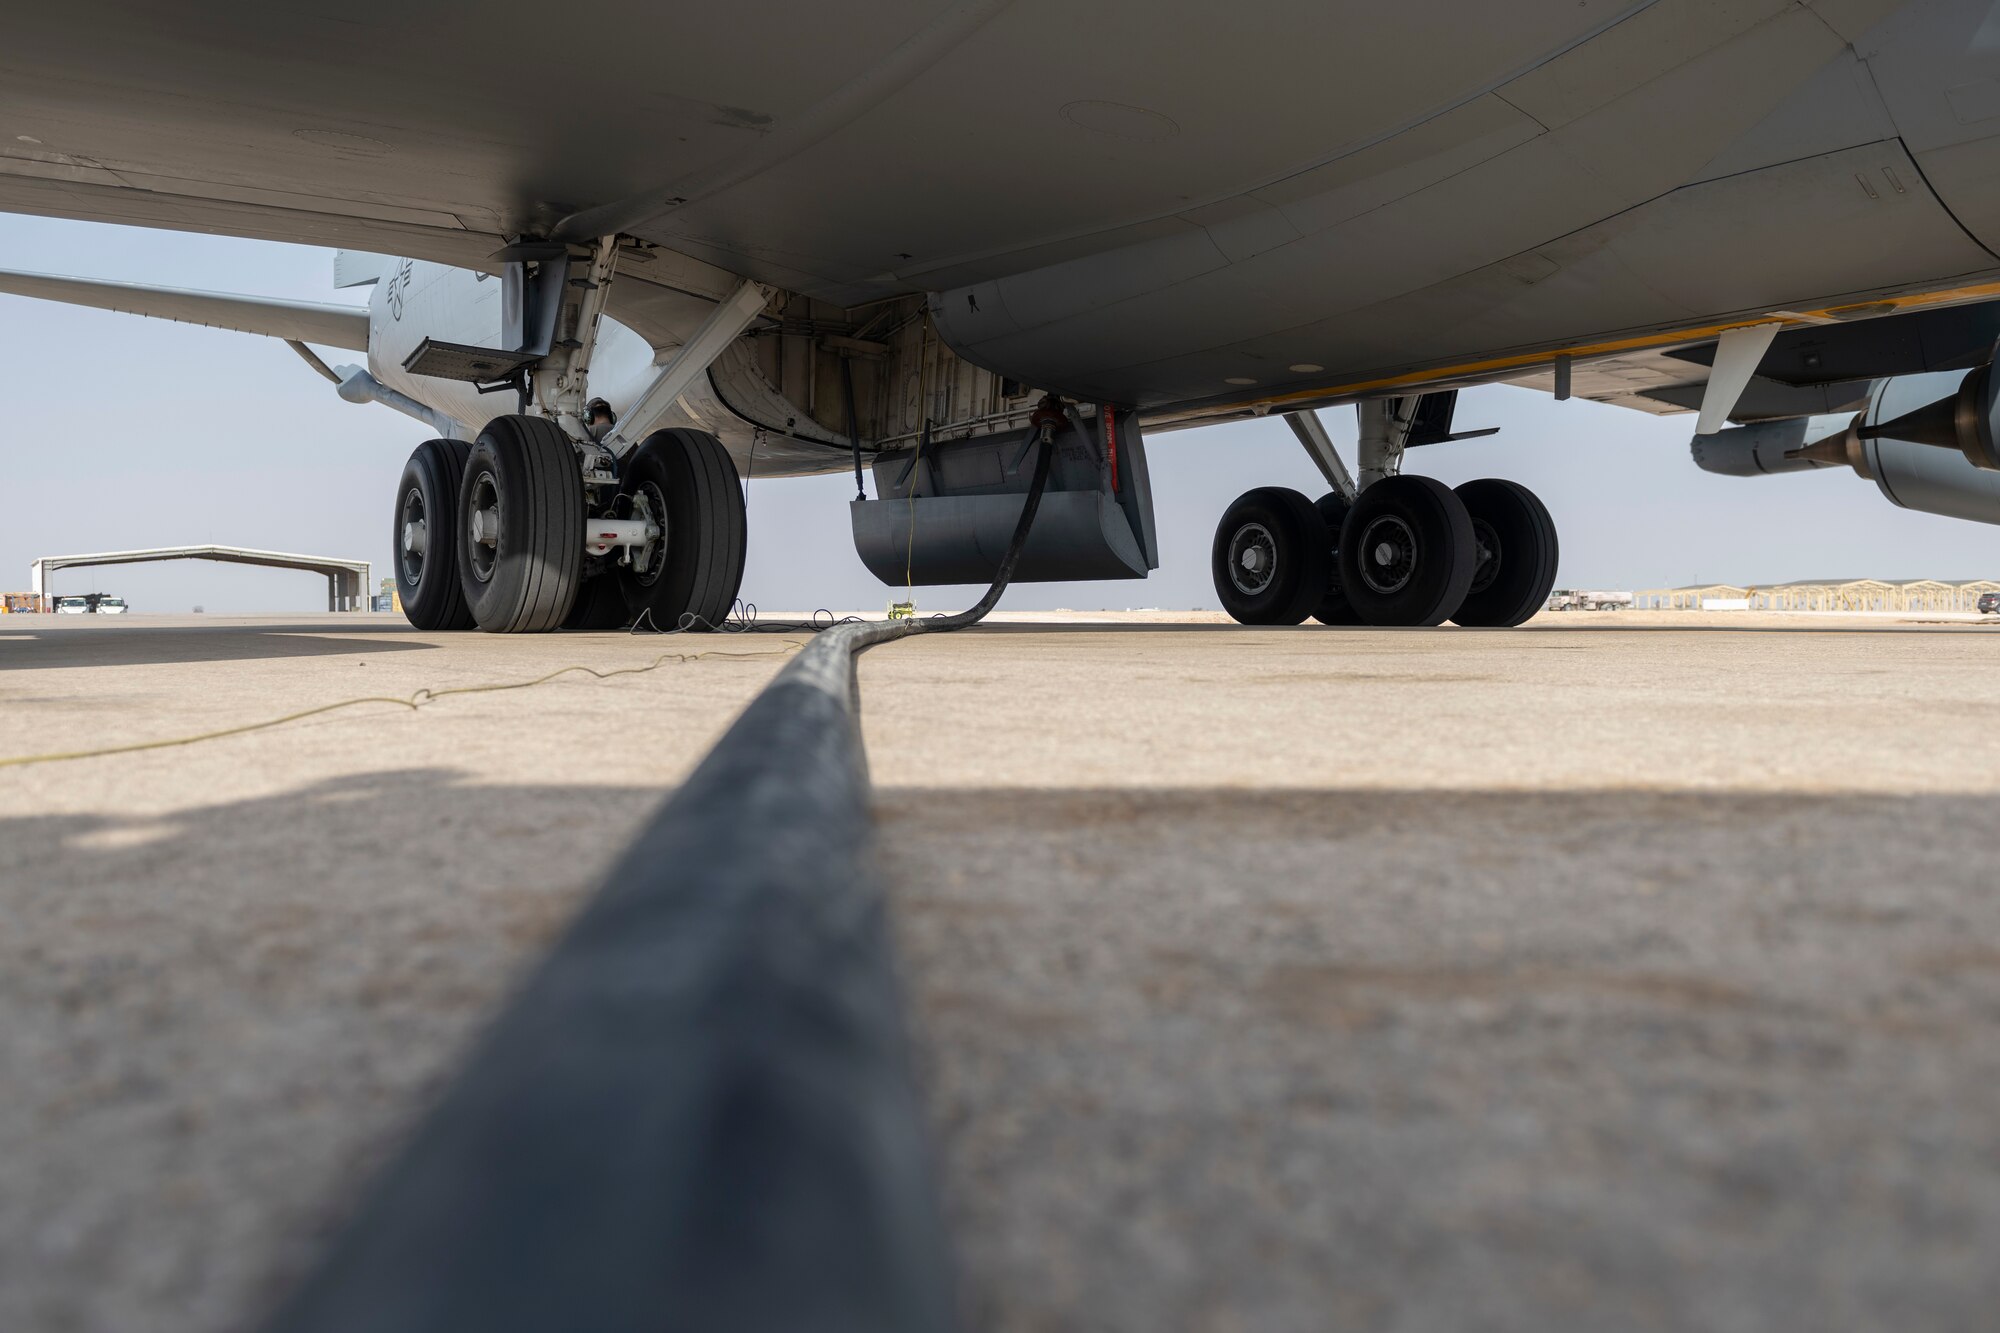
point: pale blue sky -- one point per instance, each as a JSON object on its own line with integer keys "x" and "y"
{"x": 128, "y": 432}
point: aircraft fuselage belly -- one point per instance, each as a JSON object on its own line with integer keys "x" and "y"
{"x": 1198, "y": 207}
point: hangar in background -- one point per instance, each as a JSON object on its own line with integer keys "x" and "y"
{"x": 346, "y": 580}
{"x": 1931, "y": 595}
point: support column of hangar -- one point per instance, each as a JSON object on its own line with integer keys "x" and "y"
{"x": 346, "y": 580}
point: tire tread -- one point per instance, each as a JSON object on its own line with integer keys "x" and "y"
{"x": 537, "y": 580}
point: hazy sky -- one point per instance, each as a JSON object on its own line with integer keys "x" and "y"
{"x": 129, "y": 432}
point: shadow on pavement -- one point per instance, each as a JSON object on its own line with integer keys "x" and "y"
{"x": 1216, "y": 1058}
{"x": 1705, "y": 627}
{"x": 136, "y": 645}
{"x": 214, "y": 1025}
{"x": 1449, "y": 1060}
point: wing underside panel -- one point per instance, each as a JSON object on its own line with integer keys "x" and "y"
{"x": 328, "y": 325}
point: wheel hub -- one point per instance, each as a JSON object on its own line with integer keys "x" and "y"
{"x": 1253, "y": 558}
{"x": 414, "y": 526}
{"x": 649, "y": 504}
{"x": 482, "y": 527}
{"x": 1488, "y": 543}
{"x": 1389, "y": 554}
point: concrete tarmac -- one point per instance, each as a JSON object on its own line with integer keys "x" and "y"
{"x": 1624, "y": 971}
{"x": 232, "y": 973}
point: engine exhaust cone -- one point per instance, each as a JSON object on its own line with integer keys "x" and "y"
{"x": 1968, "y": 421}
{"x": 1829, "y": 452}
{"x": 1934, "y": 423}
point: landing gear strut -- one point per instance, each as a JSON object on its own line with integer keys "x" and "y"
{"x": 551, "y": 520}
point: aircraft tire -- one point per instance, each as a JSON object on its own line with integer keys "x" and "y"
{"x": 523, "y": 472}
{"x": 690, "y": 582}
{"x": 600, "y": 604}
{"x": 1270, "y": 557}
{"x": 1334, "y": 608}
{"x": 1406, "y": 552}
{"x": 1512, "y": 524}
{"x": 427, "y": 582}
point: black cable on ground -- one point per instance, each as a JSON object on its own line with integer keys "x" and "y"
{"x": 698, "y": 1114}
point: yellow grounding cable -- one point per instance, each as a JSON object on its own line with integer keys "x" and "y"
{"x": 413, "y": 702}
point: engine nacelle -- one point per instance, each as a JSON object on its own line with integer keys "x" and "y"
{"x": 1966, "y": 419}
{"x": 1933, "y": 473}
{"x": 1921, "y": 475}
{"x": 1763, "y": 449}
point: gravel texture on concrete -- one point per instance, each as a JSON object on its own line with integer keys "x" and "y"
{"x": 1613, "y": 973}
{"x": 233, "y": 974}
{"x": 1583, "y": 979}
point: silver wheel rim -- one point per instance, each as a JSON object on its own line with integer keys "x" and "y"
{"x": 1486, "y": 542}
{"x": 1253, "y": 559}
{"x": 1388, "y": 554}
{"x": 649, "y": 503}
{"x": 482, "y": 526}
{"x": 412, "y": 530}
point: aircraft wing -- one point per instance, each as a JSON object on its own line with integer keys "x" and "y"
{"x": 847, "y": 152}
{"x": 1173, "y": 205}
{"x": 304, "y": 321}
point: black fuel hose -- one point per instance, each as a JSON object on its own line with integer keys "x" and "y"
{"x": 698, "y": 1113}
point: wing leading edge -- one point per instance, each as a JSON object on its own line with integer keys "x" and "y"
{"x": 301, "y": 321}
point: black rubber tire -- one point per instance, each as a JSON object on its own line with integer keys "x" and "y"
{"x": 1300, "y": 551}
{"x": 1432, "y": 534}
{"x": 694, "y": 583}
{"x": 600, "y": 604}
{"x": 527, "y": 580}
{"x": 1513, "y": 583}
{"x": 1334, "y": 608}
{"x": 427, "y": 585}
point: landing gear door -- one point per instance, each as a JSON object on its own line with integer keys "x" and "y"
{"x": 945, "y": 514}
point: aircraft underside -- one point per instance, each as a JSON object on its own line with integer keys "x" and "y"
{"x": 924, "y": 240}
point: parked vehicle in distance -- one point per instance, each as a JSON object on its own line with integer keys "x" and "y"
{"x": 1580, "y": 599}
{"x": 1989, "y": 603}
{"x": 91, "y": 602}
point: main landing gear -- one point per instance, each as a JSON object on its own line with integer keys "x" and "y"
{"x": 1397, "y": 550}
{"x": 526, "y": 530}
{"x": 426, "y": 537}
{"x": 1408, "y": 551}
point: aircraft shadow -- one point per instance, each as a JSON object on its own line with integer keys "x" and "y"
{"x": 138, "y": 645}
{"x": 1286, "y": 1058}
{"x": 1313, "y": 627}
{"x": 1458, "y": 1059}
{"x": 220, "y": 1022}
